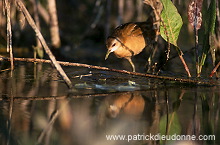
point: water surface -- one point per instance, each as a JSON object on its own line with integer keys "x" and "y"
{"x": 36, "y": 107}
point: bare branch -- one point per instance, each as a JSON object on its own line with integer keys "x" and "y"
{"x": 181, "y": 80}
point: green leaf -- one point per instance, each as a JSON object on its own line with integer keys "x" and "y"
{"x": 40, "y": 52}
{"x": 170, "y": 127}
{"x": 211, "y": 17}
{"x": 171, "y": 22}
{"x": 209, "y": 25}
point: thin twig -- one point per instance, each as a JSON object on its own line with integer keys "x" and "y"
{"x": 185, "y": 65}
{"x": 43, "y": 42}
{"x": 215, "y": 69}
{"x": 49, "y": 126}
{"x": 182, "y": 80}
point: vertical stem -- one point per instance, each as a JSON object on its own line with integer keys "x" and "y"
{"x": 197, "y": 51}
{"x": 36, "y": 18}
{"x": 38, "y": 50}
{"x": 9, "y": 33}
{"x": 196, "y": 39}
{"x": 54, "y": 28}
{"x": 168, "y": 39}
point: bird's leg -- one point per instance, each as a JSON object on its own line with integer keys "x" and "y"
{"x": 132, "y": 64}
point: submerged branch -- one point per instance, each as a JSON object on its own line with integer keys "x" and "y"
{"x": 72, "y": 96}
{"x": 181, "y": 80}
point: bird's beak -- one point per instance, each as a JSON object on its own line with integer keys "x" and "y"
{"x": 107, "y": 54}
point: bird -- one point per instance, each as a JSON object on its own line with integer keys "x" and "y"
{"x": 129, "y": 39}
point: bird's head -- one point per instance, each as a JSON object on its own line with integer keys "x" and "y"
{"x": 112, "y": 44}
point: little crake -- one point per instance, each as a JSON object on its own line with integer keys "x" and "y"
{"x": 130, "y": 39}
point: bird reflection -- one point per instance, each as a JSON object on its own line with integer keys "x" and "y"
{"x": 129, "y": 104}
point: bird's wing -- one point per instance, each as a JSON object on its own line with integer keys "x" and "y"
{"x": 133, "y": 30}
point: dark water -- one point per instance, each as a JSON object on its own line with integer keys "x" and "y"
{"x": 36, "y": 107}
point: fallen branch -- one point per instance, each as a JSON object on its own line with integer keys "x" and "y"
{"x": 182, "y": 80}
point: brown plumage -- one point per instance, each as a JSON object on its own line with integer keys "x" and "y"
{"x": 130, "y": 39}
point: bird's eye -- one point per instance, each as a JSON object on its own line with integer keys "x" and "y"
{"x": 113, "y": 45}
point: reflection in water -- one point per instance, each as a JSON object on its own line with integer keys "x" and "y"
{"x": 34, "y": 109}
{"x": 89, "y": 120}
{"x": 131, "y": 104}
